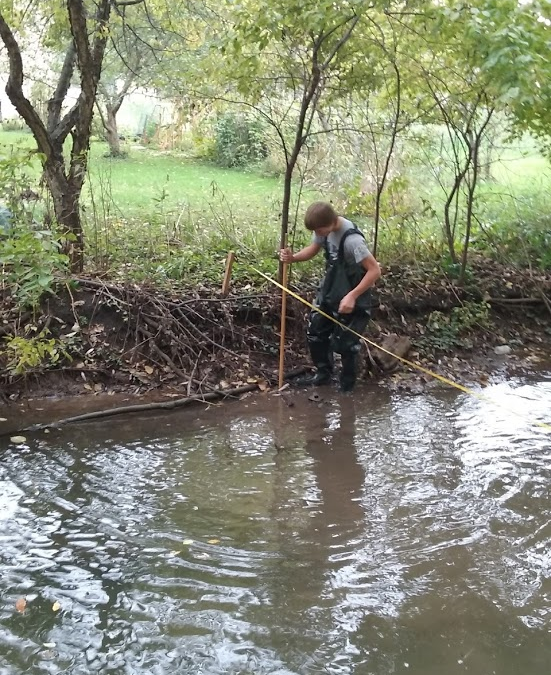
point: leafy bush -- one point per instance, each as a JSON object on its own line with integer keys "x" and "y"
{"x": 526, "y": 238}
{"x": 447, "y": 331}
{"x": 29, "y": 253}
{"x": 202, "y": 142}
{"x": 396, "y": 200}
{"x": 25, "y": 353}
{"x": 239, "y": 141}
{"x": 14, "y": 181}
{"x": 31, "y": 260}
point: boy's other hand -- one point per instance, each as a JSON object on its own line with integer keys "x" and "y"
{"x": 347, "y": 304}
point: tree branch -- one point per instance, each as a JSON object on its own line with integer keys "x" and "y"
{"x": 63, "y": 128}
{"x": 128, "y": 82}
{"x": 90, "y": 59}
{"x": 14, "y": 90}
{"x": 63, "y": 84}
{"x": 344, "y": 39}
{"x": 127, "y": 3}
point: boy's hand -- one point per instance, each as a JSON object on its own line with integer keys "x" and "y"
{"x": 347, "y": 304}
{"x": 286, "y": 255}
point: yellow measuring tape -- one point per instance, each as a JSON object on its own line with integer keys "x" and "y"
{"x": 412, "y": 364}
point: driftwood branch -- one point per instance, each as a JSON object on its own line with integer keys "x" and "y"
{"x": 147, "y": 407}
{"x": 143, "y": 407}
{"x": 386, "y": 361}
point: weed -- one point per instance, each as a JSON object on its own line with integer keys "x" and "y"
{"x": 27, "y": 353}
{"x": 448, "y": 331}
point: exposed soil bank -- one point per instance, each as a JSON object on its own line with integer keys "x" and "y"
{"x": 135, "y": 341}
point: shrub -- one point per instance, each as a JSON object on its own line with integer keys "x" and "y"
{"x": 29, "y": 252}
{"x": 31, "y": 259}
{"x": 26, "y": 353}
{"x": 15, "y": 124}
{"x": 239, "y": 141}
{"x": 448, "y": 331}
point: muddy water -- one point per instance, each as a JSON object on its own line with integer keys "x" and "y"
{"x": 373, "y": 534}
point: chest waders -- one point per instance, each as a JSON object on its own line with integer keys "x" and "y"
{"x": 324, "y": 336}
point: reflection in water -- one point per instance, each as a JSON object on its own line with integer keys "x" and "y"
{"x": 319, "y": 528}
{"x": 364, "y": 534}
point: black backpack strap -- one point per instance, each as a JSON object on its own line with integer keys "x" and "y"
{"x": 352, "y": 230}
{"x": 340, "y": 254}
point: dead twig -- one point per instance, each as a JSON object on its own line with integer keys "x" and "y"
{"x": 516, "y": 301}
{"x": 192, "y": 374}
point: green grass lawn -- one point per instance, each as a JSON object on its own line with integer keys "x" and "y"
{"x": 14, "y": 140}
{"x": 147, "y": 179}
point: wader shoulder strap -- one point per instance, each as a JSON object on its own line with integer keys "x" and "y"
{"x": 352, "y": 230}
{"x": 340, "y": 254}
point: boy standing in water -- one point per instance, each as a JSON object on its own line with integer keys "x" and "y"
{"x": 350, "y": 271}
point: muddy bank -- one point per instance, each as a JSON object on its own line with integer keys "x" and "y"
{"x": 138, "y": 342}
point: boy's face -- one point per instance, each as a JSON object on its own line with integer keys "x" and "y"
{"x": 324, "y": 231}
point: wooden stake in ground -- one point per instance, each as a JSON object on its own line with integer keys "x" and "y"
{"x": 283, "y": 323}
{"x": 227, "y": 274}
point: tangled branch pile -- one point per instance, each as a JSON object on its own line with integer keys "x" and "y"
{"x": 106, "y": 337}
{"x": 111, "y": 335}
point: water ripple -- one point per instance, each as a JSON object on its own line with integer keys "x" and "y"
{"x": 367, "y": 535}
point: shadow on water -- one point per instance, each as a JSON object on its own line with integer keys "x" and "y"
{"x": 371, "y": 534}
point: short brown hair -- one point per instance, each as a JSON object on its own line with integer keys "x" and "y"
{"x": 319, "y": 214}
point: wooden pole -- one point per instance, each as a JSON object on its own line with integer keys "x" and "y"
{"x": 284, "y": 281}
{"x": 227, "y": 274}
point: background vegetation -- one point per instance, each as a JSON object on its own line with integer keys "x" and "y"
{"x": 428, "y": 126}
{"x": 173, "y": 216}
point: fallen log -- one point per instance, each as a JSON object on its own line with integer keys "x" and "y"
{"x": 142, "y": 407}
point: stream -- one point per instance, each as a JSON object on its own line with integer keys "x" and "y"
{"x": 374, "y": 534}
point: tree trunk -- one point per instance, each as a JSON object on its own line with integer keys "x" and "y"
{"x": 471, "y": 187}
{"x": 449, "y": 219}
{"x": 112, "y": 133}
{"x": 66, "y": 199}
{"x": 285, "y": 208}
{"x": 309, "y": 103}
{"x": 286, "y": 203}
{"x": 381, "y": 180}
{"x": 475, "y": 144}
{"x": 71, "y": 223}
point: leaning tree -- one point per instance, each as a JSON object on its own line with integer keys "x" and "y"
{"x": 86, "y": 27}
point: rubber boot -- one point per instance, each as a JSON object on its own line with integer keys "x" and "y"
{"x": 348, "y": 371}
{"x": 321, "y": 357}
